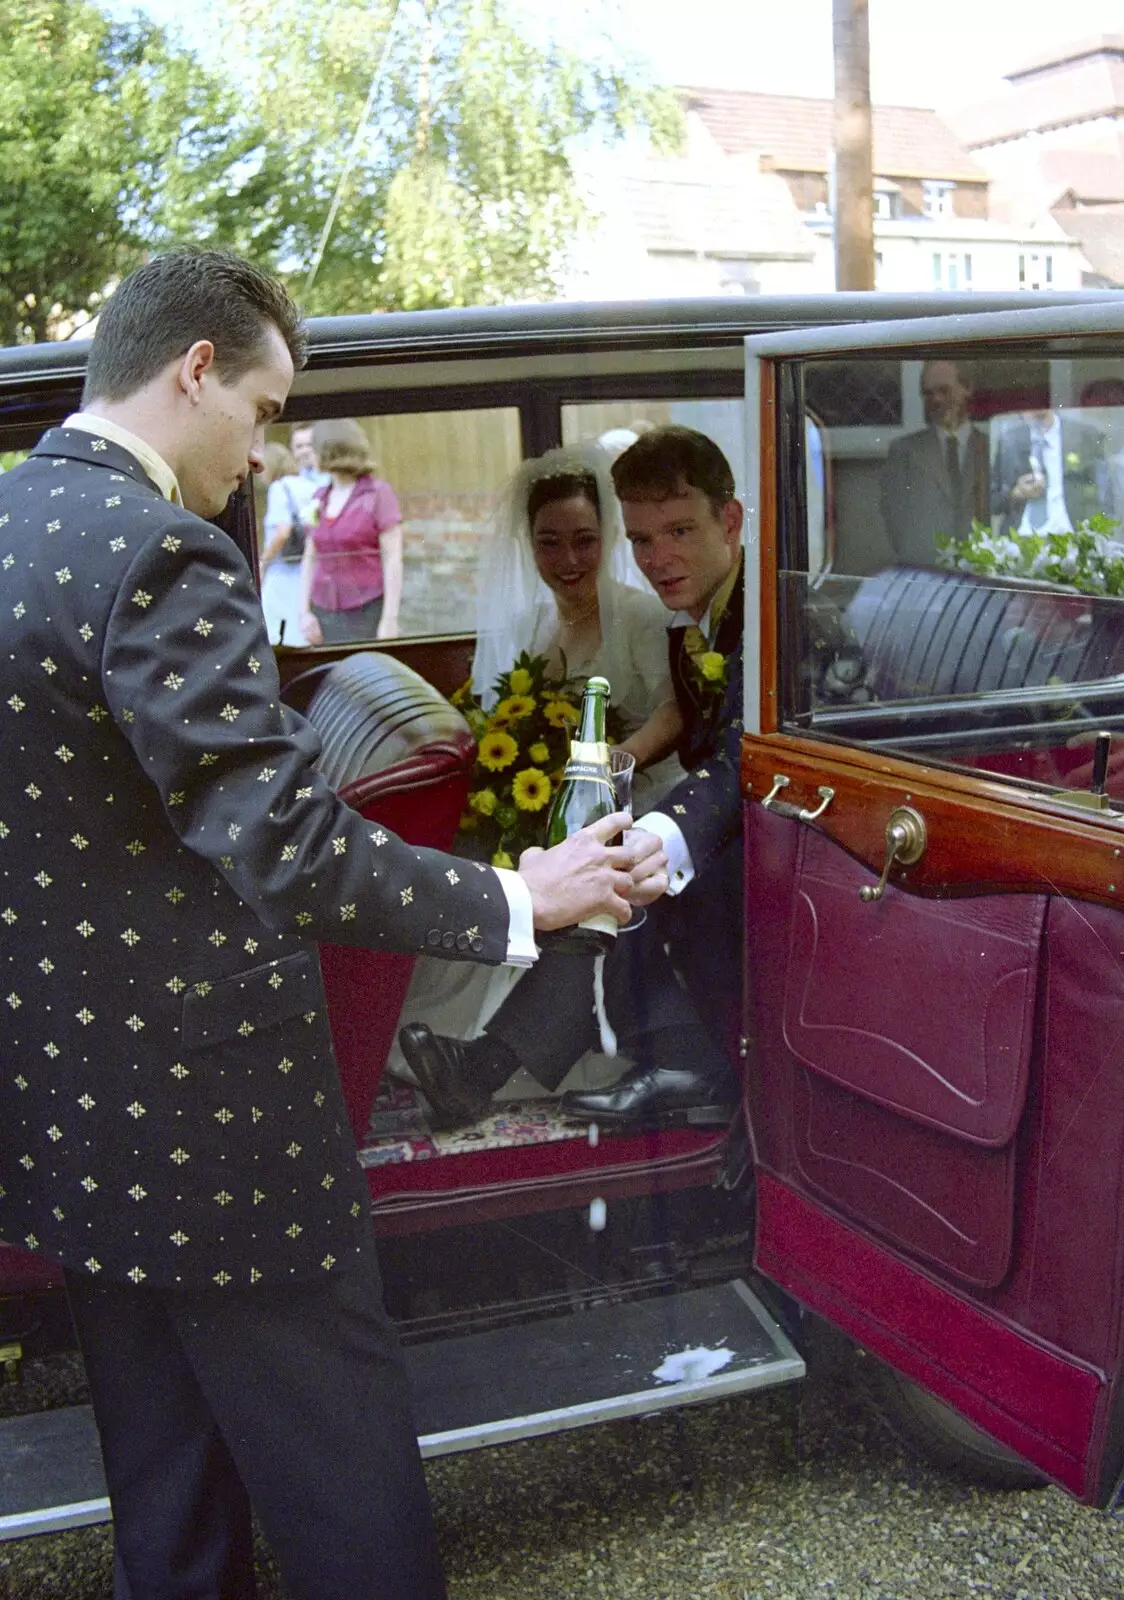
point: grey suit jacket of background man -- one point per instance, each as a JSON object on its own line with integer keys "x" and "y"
{"x": 1086, "y": 484}
{"x": 170, "y": 1111}
{"x": 917, "y": 494}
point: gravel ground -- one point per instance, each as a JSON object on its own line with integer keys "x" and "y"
{"x": 796, "y": 1495}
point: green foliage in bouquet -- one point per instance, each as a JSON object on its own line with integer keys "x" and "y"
{"x": 522, "y": 746}
{"x": 1090, "y": 560}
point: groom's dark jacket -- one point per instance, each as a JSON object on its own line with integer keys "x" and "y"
{"x": 170, "y": 1111}
{"x": 707, "y": 803}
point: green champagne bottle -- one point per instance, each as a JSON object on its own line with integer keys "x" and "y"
{"x": 586, "y": 793}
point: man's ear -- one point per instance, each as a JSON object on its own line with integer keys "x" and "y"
{"x": 733, "y": 515}
{"x": 195, "y": 363}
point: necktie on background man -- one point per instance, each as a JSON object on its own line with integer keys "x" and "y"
{"x": 1037, "y": 509}
{"x": 955, "y": 478}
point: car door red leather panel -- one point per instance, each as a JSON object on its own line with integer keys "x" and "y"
{"x": 899, "y": 1114}
{"x": 958, "y": 1062}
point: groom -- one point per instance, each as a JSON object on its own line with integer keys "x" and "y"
{"x": 684, "y": 524}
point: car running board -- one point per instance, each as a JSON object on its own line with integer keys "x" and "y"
{"x": 518, "y": 1382}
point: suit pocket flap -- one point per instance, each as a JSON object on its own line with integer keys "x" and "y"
{"x": 246, "y": 1002}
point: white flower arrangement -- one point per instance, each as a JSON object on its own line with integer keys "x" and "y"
{"x": 1090, "y": 560}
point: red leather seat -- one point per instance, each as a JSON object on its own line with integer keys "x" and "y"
{"x": 399, "y": 753}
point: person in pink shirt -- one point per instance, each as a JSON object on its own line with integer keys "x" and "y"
{"x": 351, "y": 574}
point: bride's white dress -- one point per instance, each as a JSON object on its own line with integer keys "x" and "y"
{"x": 457, "y": 997}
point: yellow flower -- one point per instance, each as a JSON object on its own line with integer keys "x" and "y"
{"x": 712, "y": 666}
{"x": 531, "y": 789}
{"x": 460, "y": 697}
{"x": 539, "y": 753}
{"x": 483, "y": 801}
{"x": 560, "y": 714}
{"x": 520, "y": 681}
{"x": 502, "y": 859}
{"x": 477, "y": 721}
{"x": 497, "y": 750}
{"x": 514, "y": 707}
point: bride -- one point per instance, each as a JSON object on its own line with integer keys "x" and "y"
{"x": 558, "y": 580}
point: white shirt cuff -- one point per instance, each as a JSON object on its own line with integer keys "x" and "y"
{"x": 521, "y": 948}
{"x": 680, "y": 867}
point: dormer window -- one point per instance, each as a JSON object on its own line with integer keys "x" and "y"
{"x": 936, "y": 198}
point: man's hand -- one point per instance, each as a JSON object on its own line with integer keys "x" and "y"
{"x": 1028, "y": 487}
{"x": 648, "y": 869}
{"x": 584, "y": 876}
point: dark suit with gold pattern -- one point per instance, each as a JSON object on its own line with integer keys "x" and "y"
{"x": 170, "y": 1112}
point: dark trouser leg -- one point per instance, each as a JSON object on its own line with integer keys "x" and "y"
{"x": 548, "y": 1020}
{"x": 181, "y": 1515}
{"x": 307, "y": 1386}
{"x": 704, "y": 933}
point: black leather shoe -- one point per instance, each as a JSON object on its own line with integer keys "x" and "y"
{"x": 657, "y": 1097}
{"x": 442, "y": 1068}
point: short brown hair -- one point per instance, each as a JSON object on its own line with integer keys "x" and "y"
{"x": 164, "y": 307}
{"x": 342, "y": 446}
{"x": 661, "y": 460}
{"x": 279, "y": 463}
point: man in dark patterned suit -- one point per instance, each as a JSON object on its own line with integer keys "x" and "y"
{"x": 171, "y": 1121}
{"x": 684, "y": 524}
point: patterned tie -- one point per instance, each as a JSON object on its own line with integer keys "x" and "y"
{"x": 1037, "y": 509}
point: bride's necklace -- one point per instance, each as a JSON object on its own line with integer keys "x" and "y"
{"x": 570, "y": 623}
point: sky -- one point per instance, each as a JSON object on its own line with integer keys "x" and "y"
{"x": 944, "y": 56}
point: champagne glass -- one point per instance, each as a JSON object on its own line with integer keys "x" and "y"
{"x": 622, "y": 766}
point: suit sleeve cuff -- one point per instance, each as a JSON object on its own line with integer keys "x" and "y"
{"x": 680, "y": 867}
{"x": 521, "y": 948}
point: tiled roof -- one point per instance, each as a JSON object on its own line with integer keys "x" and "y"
{"x": 797, "y": 134}
{"x": 1076, "y": 50}
{"x": 1071, "y": 93}
{"x": 723, "y": 210}
{"x": 1100, "y": 234}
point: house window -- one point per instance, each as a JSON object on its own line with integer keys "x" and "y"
{"x": 1036, "y": 272}
{"x": 952, "y": 270}
{"x": 936, "y": 198}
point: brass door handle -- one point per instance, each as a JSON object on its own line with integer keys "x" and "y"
{"x": 779, "y": 782}
{"x": 827, "y": 795}
{"x": 906, "y": 838}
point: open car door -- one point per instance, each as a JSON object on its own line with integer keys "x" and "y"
{"x": 934, "y": 890}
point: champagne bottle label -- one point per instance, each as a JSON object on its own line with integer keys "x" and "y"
{"x": 589, "y": 761}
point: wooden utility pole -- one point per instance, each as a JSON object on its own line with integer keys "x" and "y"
{"x": 853, "y": 205}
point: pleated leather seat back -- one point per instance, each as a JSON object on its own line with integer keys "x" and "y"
{"x": 929, "y": 634}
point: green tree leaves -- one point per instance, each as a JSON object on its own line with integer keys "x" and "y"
{"x": 458, "y": 186}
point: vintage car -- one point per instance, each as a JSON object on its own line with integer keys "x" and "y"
{"x": 929, "y": 1157}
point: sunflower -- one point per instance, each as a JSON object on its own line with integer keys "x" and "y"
{"x": 502, "y": 859}
{"x": 560, "y": 714}
{"x": 513, "y": 708}
{"x": 539, "y": 753}
{"x": 497, "y": 750}
{"x": 483, "y": 802}
{"x": 530, "y": 789}
{"x": 520, "y": 681}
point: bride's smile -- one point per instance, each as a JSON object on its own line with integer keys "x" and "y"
{"x": 566, "y": 538}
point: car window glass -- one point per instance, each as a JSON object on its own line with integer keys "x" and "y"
{"x": 437, "y": 475}
{"x": 952, "y": 557}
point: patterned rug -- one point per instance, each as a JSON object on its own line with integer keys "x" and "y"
{"x": 398, "y": 1130}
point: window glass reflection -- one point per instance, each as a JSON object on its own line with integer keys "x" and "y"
{"x": 970, "y": 612}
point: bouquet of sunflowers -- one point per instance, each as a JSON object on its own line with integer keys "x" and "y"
{"x": 522, "y": 748}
